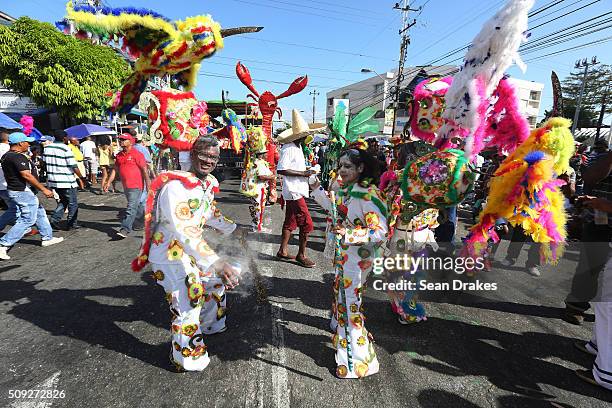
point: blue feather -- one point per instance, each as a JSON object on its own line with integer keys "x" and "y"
{"x": 534, "y": 157}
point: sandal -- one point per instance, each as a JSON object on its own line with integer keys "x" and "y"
{"x": 285, "y": 257}
{"x": 306, "y": 263}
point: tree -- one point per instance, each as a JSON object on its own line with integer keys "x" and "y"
{"x": 598, "y": 79}
{"x": 58, "y": 71}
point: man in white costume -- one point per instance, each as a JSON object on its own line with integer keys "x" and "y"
{"x": 179, "y": 208}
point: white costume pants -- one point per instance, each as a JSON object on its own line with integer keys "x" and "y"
{"x": 601, "y": 342}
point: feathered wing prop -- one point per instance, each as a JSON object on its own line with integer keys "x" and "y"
{"x": 361, "y": 123}
{"x": 158, "y": 45}
{"x": 492, "y": 51}
{"x": 557, "y": 95}
{"x": 525, "y": 191}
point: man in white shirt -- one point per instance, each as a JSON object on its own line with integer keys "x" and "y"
{"x": 292, "y": 166}
{"x": 88, "y": 148}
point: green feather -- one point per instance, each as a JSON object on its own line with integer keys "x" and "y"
{"x": 361, "y": 123}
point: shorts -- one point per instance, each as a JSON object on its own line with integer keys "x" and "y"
{"x": 297, "y": 215}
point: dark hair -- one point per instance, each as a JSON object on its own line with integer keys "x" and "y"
{"x": 60, "y": 134}
{"x": 204, "y": 142}
{"x": 371, "y": 167}
{"x": 132, "y": 132}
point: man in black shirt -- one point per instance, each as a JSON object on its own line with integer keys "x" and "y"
{"x": 22, "y": 185}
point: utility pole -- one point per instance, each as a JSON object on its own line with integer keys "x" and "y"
{"x": 314, "y": 94}
{"x": 581, "y": 64}
{"x": 603, "y": 110}
{"x": 405, "y": 8}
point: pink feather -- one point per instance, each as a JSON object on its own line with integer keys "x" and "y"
{"x": 28, "y": 124}
{"x": 506, "y": 124}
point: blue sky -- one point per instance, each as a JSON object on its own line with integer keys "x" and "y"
{"x": 331, "y": 40}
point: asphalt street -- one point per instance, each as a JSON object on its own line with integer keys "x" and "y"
{"x": 78, "y": 323}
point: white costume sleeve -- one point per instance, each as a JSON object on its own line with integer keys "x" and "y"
{"x": 219, "y": 222}
{"x": 320, "y": 196}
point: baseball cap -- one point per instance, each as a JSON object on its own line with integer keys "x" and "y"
{"x": 19, "y": 137}
{"x": 127, "y": 136}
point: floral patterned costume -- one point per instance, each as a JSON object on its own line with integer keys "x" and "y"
{"x": 363, "y": 213}
{"x": 181, "y": 261}
{"x": 257, "y": 204}
{"x": 410, "y": 235}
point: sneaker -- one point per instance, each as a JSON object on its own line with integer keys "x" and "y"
{"x": 506, "y": 262}
{"x": 533, "y": 271}
{"x": 52, "y": 241}
{"x": 3, "y": 254}
{"x": 123, "y": 233}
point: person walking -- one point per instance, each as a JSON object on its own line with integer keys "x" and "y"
{"x": 73, "y": 143}
{"x": 133, "y": 170}
{"x": 62, "y": 173}
{"x": 105, "y": 161}
{"x": 22, "y": 184}
{"x": 88, "y": 148}
{"x": 292, "y": 166}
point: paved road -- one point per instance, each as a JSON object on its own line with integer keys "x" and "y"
{"x": 76, "y": 320}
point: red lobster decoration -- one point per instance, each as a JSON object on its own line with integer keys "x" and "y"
{"x": 267, "y": 104}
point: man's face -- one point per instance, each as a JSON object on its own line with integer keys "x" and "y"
{"x": 22, "y": 146}
{"x": 203, "y": 161}
{"x": 125, "y": 143}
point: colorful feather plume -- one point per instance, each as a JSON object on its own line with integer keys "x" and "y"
{"x": 525, "y": 190}
{"x": 492, "y": 51}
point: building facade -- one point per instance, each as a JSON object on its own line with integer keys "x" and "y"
{"x": 376, "y": 91}
{"x": 529, "y": 94}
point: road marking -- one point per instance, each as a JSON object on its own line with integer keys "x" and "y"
{"x": 280, "y": 386}
{"x": 49, "y": 384}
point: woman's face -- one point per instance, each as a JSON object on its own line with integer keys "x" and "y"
{"x": 349, "y": 171}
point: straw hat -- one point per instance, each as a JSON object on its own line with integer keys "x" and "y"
{"x": 299, "y": 129}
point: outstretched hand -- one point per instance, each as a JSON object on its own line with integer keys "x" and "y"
{"x": 228, "y": 274}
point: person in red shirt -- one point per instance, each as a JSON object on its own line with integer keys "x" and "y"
{"x": 132, "y": 168}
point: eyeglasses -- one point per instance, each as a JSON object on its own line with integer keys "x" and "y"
{"x": 205, "y": 156}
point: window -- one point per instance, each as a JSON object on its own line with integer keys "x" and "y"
{"x": 330, "y": 101}
{"x": 345, "y": 96}
{"x": 534, "y": 104}
{"x": 378, "y": 88}
{"x": 532, "y": 121}
{"x": 379, "y": 114}
{"x": 534, "y": 95}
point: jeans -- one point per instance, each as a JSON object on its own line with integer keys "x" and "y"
{"x": 29, "y": 212}
{"x": 135, "y": 208}
{"x": 67, "y": 199}
{"x": 10, "y": 214}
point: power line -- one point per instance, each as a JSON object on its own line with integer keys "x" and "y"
{"x": 563, "y": 15}
{"x": 342, "y": 6}
{"x": 335, "y": 18}
{"x": 313, "y": 47}
{"x": 344, "y": 12}
{"x": 585, "y": 45}
{"x": 555, "y": 11}
{"x": 287, "y": 65}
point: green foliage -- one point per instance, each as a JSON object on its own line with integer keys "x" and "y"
{"x": 58, "y": 71}
{"x": 599, "y": 77}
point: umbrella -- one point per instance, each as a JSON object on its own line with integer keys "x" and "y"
{"x": 87, "y": 129}
{"x": 8, "y": 123}
{"x": 320, "y": 138}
